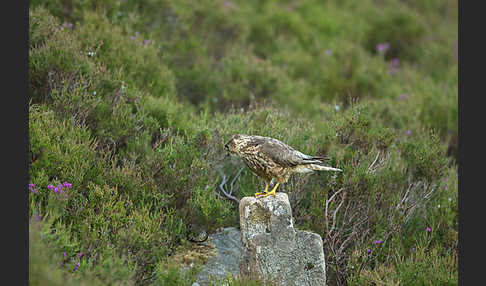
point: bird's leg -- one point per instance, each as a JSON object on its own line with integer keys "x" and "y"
{"x": 264, "y": 192}
{"x": 272, "y": 192}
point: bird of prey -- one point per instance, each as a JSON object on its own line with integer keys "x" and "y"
{"x": 271, "y": 159}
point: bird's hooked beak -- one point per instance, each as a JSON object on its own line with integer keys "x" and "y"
{"x": 226, "y": 151}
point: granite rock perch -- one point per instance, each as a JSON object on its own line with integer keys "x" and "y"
{"x": 273, "y": 249}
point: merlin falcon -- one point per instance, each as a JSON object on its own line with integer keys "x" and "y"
{"x": 271, "y": 159}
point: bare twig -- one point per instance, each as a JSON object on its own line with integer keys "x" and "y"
{"x": 370, "y": 168}
{"x": 330, "y": 200}
{"x": 405, "y": 196}
{"x": 237, "y": 176}
{"x": 336, "y": 211}
{"x": 223, "y": 186}
{"x": 427, "y": 196}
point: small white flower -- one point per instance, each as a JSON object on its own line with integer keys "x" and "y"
{"x": 438, "y": 206}
{"x": 450, "y": 199}
{"x": 94, "y": 92}
{"x": 336, "y": 107}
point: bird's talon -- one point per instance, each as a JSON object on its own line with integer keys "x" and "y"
{"x": 264, "y": 191}
{"x": 270, "y": 193}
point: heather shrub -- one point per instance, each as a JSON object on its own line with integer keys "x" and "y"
{"x": 112, "y": 45}
{"x": 54, "y": 258}
{"x": 347, "y": 73}
{"x": 61, "y": 151}
{"x": 424, "y": 266}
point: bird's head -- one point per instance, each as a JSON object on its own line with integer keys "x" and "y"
{"x": 234, "y": 144}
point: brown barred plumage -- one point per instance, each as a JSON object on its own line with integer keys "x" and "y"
{"x": 270, "y": 158}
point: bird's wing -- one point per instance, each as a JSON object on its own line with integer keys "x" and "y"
{"x": 284, "y": 155}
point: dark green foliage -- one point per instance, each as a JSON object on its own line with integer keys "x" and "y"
{"x": 425, "y": 157}
{"x": 132, "y": 103}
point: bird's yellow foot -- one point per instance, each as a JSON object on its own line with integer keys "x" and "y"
{"x": 259, "y": 194}
{"x": 272, "y": 192}
{"x": 269, "y": 193}
{"x": 264, "y": 192}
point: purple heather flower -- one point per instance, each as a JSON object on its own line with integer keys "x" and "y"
{"x": 66, "y": 184}
{"x": 146, "y": 42}
{"x": 328, "y": 52}
{"x": 368, "y": 251}
{"x": 136, "y": 34}
{"x": 64, "y": 254}
{"x": 403, "y": 96}
{"x": 70, "y": 25}
{"x": 428, "y": 229}
{"x": 409, "y": 132}
{"x": 58, "y": 189}
{"x": 77, "y": 266}
{"x": 132, "y": 37}
{"x": 35, "y": 191}
{"x": 359, "y": 163}
{"x": 377, "y": 241}
{"x": 382, "y": 47}
{"x": 412, "y": 249}
{"x": 31, "y": 186}
{"x": 80, "y": 255}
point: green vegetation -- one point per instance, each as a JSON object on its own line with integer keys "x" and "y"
{"x": 131, "y": 102}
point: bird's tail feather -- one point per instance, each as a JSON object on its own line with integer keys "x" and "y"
{"x": 323, "y": 168}
{"x": 324, "y": 158}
